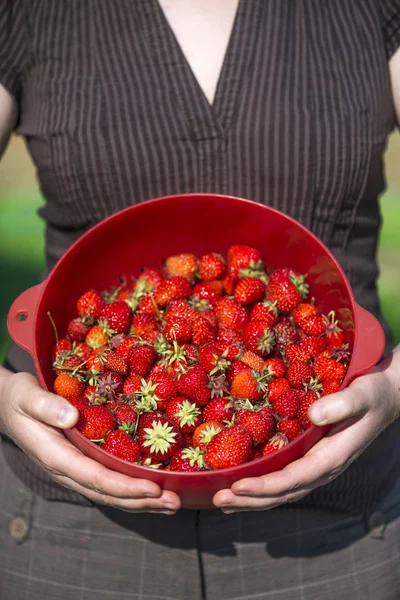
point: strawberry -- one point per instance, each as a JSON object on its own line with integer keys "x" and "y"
{"x": 228, "y": 284}
{"x": 275, "y": 367}
{"x": 274, "y": 444}
{"x": 287, "y": 288}
{"x": 132, "y": 384}
{"x": 194, "y": 384}
{"x": 236, "y": 367}
{"x": 328, "y": 368}
{"x": 249, "y": 290}
{"x": 98, "y": 336}
{"x": 90, "y": 304}
{"x": 303, "y": 311}
{"x": 118, "y": 316}
{"x": 203, "y": 332}
{"x": 218, "y": 409}
{"x": 124, "y": 347}
{"x": 112, "y": 361}
{"x": 285, "y": 334}
{"x": 290, "y": 428}
{"x": 109, "y": 384}
{"x": 330, "y": 386}
{"x": 89, "y": 392}
{"x": 308, "y": 398}
{"x": 314, "y": 325}
{"x": 276, "y": 388}
{"x": 298, "y": 373}
{"x": 98, "y": 422}
{"x": 231, "y": 314}
{"x": 173, "y": 288}
{"x": 212, "y": 266}
{"x": 187, "y": 440}
{"x": 68, "y": 386}
{"x": 94, "y": 365}
{"x": 177, "y": 329}
{"x": 141, "y": 358}
{"x": 80, "y": 403}
{"x": 182, "y": 265}
{"x": 147, "y": 305}
{"x": 120, "y": 444}
{"x": 160, "y": 440}
{"x": 312, "y": 345}
{"x": 126, "y": 415}
{"x": 185, "y": 414}
{"x": 62, "y": 349}
{"x": 258, "y": 338}
{"x": 255, "y": 454}
{"x": 152, "y": 278}
{"x": 205, "y": 432}
{"x": 78, "y": 329}
{"x": 265, "y": 311}
{"x": 206, "y": 294}
{"x": 253, "y": 360}
{"x": 296, "y": 352}
{"x": 188, "y": 460}
{"x": 218, "y": 385}
{"x": 142, "y": 324}
{"x": 287, "y": 404}
{"x": 229, "y": 448}
{"x": 71, "y": 364}
{"x": 242, "y": 257}
{"x": 147, "y": 418}
{"x": 249, "y": 385}
{"x": 166, "y": 387}
{"x": 213, "y": 358}
{"x": 259, "y": 422}
{"x": 333, "y": 332}
{"x": 181, "y": 309}
{"x": 229, "y": 336}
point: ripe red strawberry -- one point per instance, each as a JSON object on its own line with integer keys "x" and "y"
{"x": 229, "y": 448}
{"x": 182, "y": 265}
{"x": 287, "y": 404}
{"x": 78, "y": 329}
{"x": 276, "y": 388}
{"x": 229, "y": 336}
{"x": 330, "y": 386}
{"x": 173, "y": 288}
{"x": 146, "y": 419}
{"x": 68, "y": 386}
{"x": 296, "y": 352}
{"x": 303, "y": 311}
{"x": 231, "y": 314}
{"x": 242, "y": 257}
{"x": 298, "y": 373}
{"x": 62, "y": 349}
{"x": 184, "y": 413}
{"x": 212, "y": 267}
{"x": 152, "y": 278}
{"x": 236, "y": 367}
{"x": 313, "y": 345}
{"x": 228, "y": 284}
{"x": 118, "y": 316}
{"x": 82, "y": 350}
{"x": 265, "y": 311}
{"x": 187, "y": 440}
{"x": 120, "y": 444}
{"x": 80, "y": 403}
{"x": 98, "y": 422}
{"x": 144, "y": 325}
{"x": 328, "y": 368}
{"x": 287, "y": 288}
{"x": 308, "y": 398}
{"x": 259, "y": 422}
{"x": 206, "y": 294}
{"x": 124, "y": 347}
{"x": 275, "y": 367}
{"x": 166, "y": 387}
{"x": 89, "y": 392}
{"x": 274, "y": 444}
{"x": 285, "y": 334}
{"x": 249, "y": 290}
{"x": 188, "y": 460}
{"x": 253, "y": 360}
{"x": 204, "y": 433}
{"x": 194, "y": 384}
{"x": 94, "y": 365}
{"x": 147, "y": 305}
{"x": 98, "y": 336}
{"x": 258, "y": 338}
{"x": 132, "y": 384}
{"x": 177, "y": 329}
{"x": 314, "y": 325}
{"x": 218, "y": 409}
{"x": 160, "y": 440}
{"x": 181, "y": 309}
{"x": 109, "y": 384}
{"x": 249, "y": 385}
{"x": 290, "y": 428}
{"x": 214, "y": 358}
{"x": 203, "y": 332}
{"x": 90, "y": 304}
{"x": 126, "y": 415}
{"x": 141, "y": 358}
{"x": 112, "y": 361}
{"x": 71, "y": 364}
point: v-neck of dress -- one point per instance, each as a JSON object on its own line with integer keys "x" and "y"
{"x": 206, "y": 121}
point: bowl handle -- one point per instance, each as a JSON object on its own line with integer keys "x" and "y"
{"x": 369, "y": 345}
{"x": 22, "y": 329}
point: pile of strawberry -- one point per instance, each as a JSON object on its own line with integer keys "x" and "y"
{"x": 208, "y": 364}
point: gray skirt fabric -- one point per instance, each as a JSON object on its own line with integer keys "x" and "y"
{"x": 60, "y": 551}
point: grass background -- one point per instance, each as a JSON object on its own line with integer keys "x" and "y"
{"x": 21, "y": 233}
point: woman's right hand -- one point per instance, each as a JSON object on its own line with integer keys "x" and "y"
{"x": 32, "y": 418}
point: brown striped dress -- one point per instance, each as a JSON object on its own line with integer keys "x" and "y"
{"x": 113, "y": 115}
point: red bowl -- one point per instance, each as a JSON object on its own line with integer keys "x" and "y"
{"x": 144, "y": 235}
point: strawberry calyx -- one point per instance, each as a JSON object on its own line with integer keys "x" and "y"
{"x": 218, "y": 385}
{"x": 256, "y": 270}
{"x": 159, "y": 437}
{"x": 195, "y": 456}
{"x": 332, "y": 326}
{"x": 299, "y": 281}
{"x": 188, "y": 413}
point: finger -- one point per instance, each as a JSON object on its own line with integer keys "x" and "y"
{"x": 245, "y": 503}
{"x": 43, "y": 406}
{"x": 339, "y": 407}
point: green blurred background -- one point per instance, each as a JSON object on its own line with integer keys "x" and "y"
{"x": 21, "y": 233}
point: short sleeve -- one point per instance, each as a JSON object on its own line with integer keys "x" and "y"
{"x": 390, "y": 16}
{"x": 13, "y": 44}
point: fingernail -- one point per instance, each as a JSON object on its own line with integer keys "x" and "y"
{"x": 317, "y": 413}
{"x": 67, "y": 415}
{"x": 169, "y": 506}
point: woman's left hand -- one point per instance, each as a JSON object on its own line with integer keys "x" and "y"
{"x": 359, "y": 413}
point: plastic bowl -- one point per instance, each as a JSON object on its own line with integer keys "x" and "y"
{"x": 143, "y": 236}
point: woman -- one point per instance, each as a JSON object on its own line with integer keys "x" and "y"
{"x": 286, "y": 103}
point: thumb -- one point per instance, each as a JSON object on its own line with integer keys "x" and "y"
{"x": 337, "y": 407}
{"x": 47, "y": 407}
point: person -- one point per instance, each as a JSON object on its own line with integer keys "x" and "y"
{"x": 285, "y": 103}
